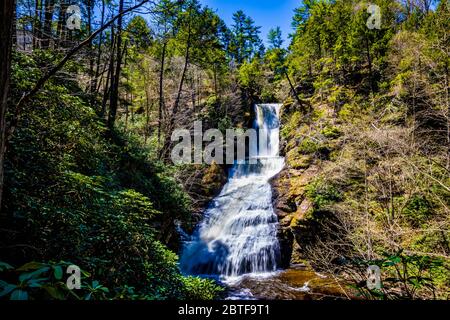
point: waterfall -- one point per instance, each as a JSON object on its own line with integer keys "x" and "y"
{"x": 238, "y": 234}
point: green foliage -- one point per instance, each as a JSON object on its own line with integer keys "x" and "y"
{"x": 417, "y": 210}
{"x": 332, "y": 42}
{"x": 331, "y": 132}
{"x": 245, "y": 43}
{"x": 47, "y": 281}
{"x": 216, "y": 113}
{"x": 200, "y": 289}
{"x": 308, "y": 146}
{"x": 322, "y": 193}
{"x": 291, "y": 124}
{"x": 275, "y": 39}
{"x": 249, "y": 74}
{"x": 76, "y": 192}
{"x": 405, "y": 276}
{"x": 35, "y": 280}
{"x": 251, "y": 79}
{"x": 138, "y": 33}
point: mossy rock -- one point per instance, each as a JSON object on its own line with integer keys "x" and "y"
{"x": 308, "y": 146}
{"x": 331, "y": 132}
{"x": 214, "y": 179}
{"x": 300, "y": 162}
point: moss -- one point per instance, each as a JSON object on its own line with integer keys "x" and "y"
{"x": 297, "y": 187}
{"x": 318, "y": 114}
{"x": 323, "y": 193}
{"x": 347, "y": 112}
{"x": 292, "y": 122}
{"x": 417, "y": 210}
{"x": 331, "y": 132}
{"x": 300, "y": 162}
{"x": 308, "y": 146}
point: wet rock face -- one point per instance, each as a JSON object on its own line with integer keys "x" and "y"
{"x": 283, "y": 208}
{"x": 292, "y": 206}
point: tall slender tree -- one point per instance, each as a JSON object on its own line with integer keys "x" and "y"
{"x": 7, "y": 10}
{"x": 114, "y": 99}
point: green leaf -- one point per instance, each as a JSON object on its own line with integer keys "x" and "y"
{"x": 5, "y": 266}
{"x": 3, "y": 284}
{"x": 19, "y": 295}
{"x": 31, "y": 266}
{"x": 58, "y": 272}
{"x": 36, "y": 283}
{"x": 85, "y": 273}
{"x": 54, "y": 292}
{"x": 29, "y": 275}
{"x": 7, "y": 289}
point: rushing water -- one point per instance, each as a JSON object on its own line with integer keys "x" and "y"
{"x": 238, "y": 234}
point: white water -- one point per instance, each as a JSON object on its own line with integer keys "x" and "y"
{"x": 239, "y": 232}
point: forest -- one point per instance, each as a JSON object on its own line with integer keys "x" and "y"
{"x": 92, "y": 92}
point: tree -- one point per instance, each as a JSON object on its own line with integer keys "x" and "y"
{"x": 188, "y": 21}
{"x": 48, "y": 19}
{"x": 114, "y": 99}
{"x": 245, "y": 41}
{"x": 165, "y": 22}
{"x": 275, "y": 39}
{"x": 7, "y": 10}
{"x": 301, "y": 15}
{"x": 99, "y": 51}
{"x": 53, "y": 70}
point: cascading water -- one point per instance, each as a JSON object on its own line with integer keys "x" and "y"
{"x": 239, "y": 232}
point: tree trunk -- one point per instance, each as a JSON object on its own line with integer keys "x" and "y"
{"x": 54, "y": 70}
{"x": 99, "y": 52}
{"x": 109, "y": 76}
{"x": 90, "y": 8}
{"x": 178, "y": 98}
{"x": 369, "y": 61}
{"x": 37, "y": 24}
{"x": 114, "y": 99}
{"x": 48, "y": 19}
{"x": 300, "y": 102}
{"x": 161, "y": 95}
{"x": 7, "y": 9}
{"x": 61, "y": 30}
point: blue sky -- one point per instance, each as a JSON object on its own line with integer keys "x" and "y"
{"x": 266, "y": 13}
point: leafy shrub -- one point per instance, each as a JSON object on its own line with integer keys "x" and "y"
{"x": 200, "y": 289}
{"x": 331, "y": 132}
{"x": 403, "y": 276}
{"x": 417, "y": 210}
{"x": 77, "y": 192}
{"x": 290, "y": 124}
{"x": 308, "y": 146}
{"x": 322, "y": 193}
{"x": 37, "y": 281}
